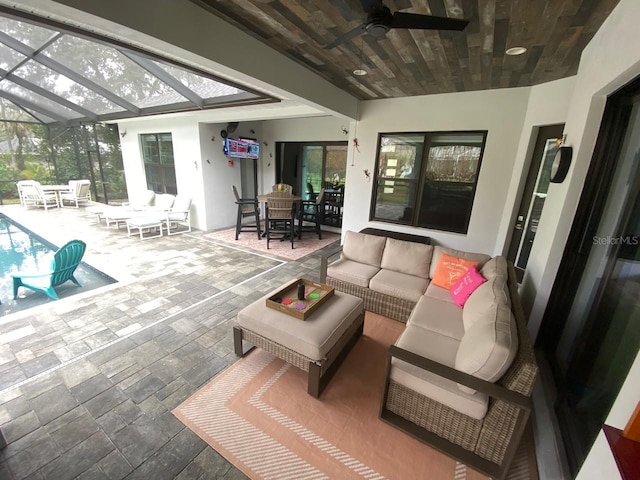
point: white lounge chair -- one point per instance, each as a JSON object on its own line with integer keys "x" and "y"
{"x": 178, "y": 216}
{"x": 33, "y": 196}
{"x": 144, "y": 202}
{"x": 119, "y": 215}
{"x": 79, "y": 192}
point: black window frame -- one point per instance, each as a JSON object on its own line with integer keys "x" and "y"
{"x": 412, "y": 211}
{"x": 157, "y": 164}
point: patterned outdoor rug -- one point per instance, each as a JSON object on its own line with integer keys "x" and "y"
{"x": 304, "y": 247}
{"x": 257, "y": 414}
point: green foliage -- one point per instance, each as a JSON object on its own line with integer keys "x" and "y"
{"x": 35, "y": 171}
{"x": 61, "y": 154}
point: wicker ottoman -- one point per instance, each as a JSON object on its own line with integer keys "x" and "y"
{"x": 317, "y": 345}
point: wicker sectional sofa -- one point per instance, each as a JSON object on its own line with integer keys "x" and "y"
{"x": 460, "y": 379}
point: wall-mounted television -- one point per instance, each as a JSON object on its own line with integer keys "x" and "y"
{"x": 241, "y": 148}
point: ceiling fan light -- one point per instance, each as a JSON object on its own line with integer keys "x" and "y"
{"x": 359, "y": 72}
{"x": 516, "y": 51}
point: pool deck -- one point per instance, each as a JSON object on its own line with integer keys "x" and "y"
{"x": 88, "y": 382}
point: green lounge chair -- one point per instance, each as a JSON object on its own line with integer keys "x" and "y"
{"x": 64, "y": 263}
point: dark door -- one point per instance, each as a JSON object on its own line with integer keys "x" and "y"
{"x": 590, "y": 333}
{"x": 533, "y": 197}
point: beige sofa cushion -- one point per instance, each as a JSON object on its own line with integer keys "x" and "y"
{"x": 352, "y": 272}
{"x": 312, "y": 338}
{"x": 439, "y": 293}
{"x": 398, "y": 285}
{"x": 494, "y": 291}
{"x": 407, "y": 257}
{"x": 481, "y": 258}
{"x": 497, "y": 266}
{"x": 438, "y": 316}
{"x": 441, "y": 349}
{"x": 363, "y": 248}
{"x": 489, "y": 346}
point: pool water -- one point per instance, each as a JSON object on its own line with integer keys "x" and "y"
{"x": 21, "y": 250}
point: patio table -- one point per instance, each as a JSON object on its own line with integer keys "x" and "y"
{"x": 57, "y": 189}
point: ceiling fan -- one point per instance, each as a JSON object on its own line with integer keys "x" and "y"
{"x": 380, "y": 20}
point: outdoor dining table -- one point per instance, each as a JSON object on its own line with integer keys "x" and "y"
{"x": 57, "y": 189}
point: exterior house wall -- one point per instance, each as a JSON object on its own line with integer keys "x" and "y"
{"x": 501, "y": 112}
{"x": 207, "y": 182}
{"x": 184, "y": 134}
{"x": 218, "y": 176}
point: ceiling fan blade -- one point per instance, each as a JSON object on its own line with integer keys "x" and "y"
{"x": 426, "y": 22}
{"x": 346, "y": 37}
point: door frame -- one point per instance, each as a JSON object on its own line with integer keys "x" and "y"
{"x": 526, "y": 198}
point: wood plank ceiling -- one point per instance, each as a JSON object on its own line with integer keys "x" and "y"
{"x": 421, "y": 62}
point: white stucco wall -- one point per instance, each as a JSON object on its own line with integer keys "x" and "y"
{"x": 548, "y": 105}
{"x": 500, "y": 112}
{"x": 186, "y": 151}
{"x": 218, "y": 176}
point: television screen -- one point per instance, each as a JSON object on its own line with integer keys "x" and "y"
{"x": 241, "y": 148}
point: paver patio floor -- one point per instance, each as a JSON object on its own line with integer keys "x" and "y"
{"x": 87, "y": 383}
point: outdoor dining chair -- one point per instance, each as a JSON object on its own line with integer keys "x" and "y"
{"x": 311, "y": 212}
{"x": 280, "y": 216}
{"x": 247, "y": 208}
{"x": 63, "y": 265}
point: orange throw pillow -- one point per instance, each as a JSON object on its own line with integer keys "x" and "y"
{"x": 450, "y": 269}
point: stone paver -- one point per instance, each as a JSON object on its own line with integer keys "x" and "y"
{"x": 87, "y": 383}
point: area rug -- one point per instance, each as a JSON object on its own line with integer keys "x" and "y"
{"x": 309, "y": 243}
{"x": 258, "y": 415}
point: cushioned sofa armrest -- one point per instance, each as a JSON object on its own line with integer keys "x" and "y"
{"x": 324, "y": 262}
{"x": 492, "y": 389}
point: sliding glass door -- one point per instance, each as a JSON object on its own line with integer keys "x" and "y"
{"x": 312, "y": 166}
{"x": 591, "y": 330}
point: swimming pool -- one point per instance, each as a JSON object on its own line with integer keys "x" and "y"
{"x": 23, "y": 250}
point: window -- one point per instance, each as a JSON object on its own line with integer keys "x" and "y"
{"x": 427, "y": 179}
{"x": 157, "y": 153}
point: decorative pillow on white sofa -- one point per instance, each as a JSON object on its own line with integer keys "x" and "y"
{"x": 407, "y": 257}
{"x": 488, "y": 348}
{"x": 481, "y": 258}
{"x": 363, "y": 248}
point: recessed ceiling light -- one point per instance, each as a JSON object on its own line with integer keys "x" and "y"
{"x": 359, "y": 72}
{"x": 516, "y": 51}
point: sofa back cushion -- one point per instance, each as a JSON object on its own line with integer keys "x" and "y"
{"x": 363, "y": 248}
{"x": 488, "y": 348}
{"x": 407, "y": 257}
{"x": 494, "y": 267}
{"x": 494, "y": 291}
{"x": 481, "y": 258}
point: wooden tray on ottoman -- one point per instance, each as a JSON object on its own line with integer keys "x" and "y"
{"x": 286, "y": 300}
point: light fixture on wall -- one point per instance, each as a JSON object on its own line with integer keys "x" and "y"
{"x": 561, "y": 162}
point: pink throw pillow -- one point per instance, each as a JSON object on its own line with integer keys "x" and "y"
{"x": 463, "y": 288}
